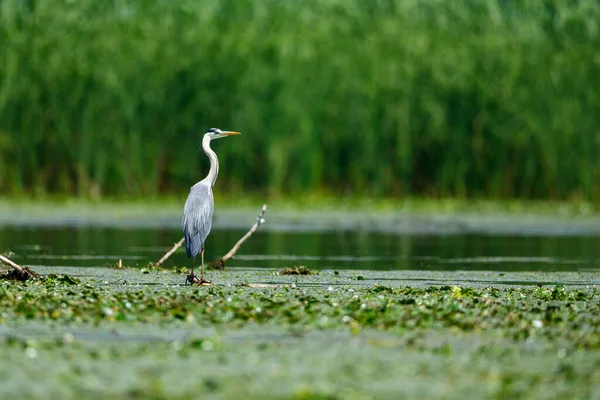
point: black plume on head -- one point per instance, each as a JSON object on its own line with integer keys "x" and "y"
{"x": 213, "y": 130}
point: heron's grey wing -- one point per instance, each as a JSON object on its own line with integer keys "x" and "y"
{"x": 197, "y": 217}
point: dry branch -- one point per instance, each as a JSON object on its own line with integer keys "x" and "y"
{"x": 220, "y": 263}
{"x": 12, "y": 264}
{"x": 259, "y": 220}
{"x": 170, "y": 252}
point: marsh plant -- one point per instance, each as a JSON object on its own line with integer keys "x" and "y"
{"x": 427, "y": 97}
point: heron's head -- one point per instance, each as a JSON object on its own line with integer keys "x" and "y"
{"x": 216, "y": 133}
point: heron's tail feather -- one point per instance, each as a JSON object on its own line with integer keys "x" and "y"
{"x": 193, "y": 245}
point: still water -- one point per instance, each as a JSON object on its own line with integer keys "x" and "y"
{"x": 94, "y": 246}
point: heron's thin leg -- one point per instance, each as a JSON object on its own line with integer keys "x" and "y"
{"x": 202, "y": 274}
{"x": 190, "y": 277}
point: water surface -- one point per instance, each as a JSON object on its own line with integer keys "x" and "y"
{"x": 93, "y": 246}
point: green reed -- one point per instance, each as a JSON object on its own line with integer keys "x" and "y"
{"x": 386, "y": 97}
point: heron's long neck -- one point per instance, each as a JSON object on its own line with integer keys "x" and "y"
{"x": 214, "y": 162}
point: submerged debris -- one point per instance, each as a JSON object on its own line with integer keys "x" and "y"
{"x": 26, "y": 274}
{"x": 218, "y": 264}
{"x": 117, "y": 265}
{"x": 260, "y": 285}
{"x": 22, "y": 275}
{"x": 298, "y": 270}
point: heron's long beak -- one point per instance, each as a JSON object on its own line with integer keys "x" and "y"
{"x": 229, "y": 133}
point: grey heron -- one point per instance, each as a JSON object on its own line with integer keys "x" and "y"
{"x": 199, "y": 206}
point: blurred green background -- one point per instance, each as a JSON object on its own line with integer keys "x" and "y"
{"x": 434, "y": 98}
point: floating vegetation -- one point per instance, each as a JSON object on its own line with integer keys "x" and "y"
{"x": 298, "y": 270}
{"x": 334, "y": 336}
{"x": 562, "y": 314}
{"x": 63, "y": 279}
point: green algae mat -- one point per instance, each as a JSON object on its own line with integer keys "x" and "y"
{"x": 135, "y": 333}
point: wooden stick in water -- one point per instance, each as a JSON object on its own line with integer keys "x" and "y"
{"x": 170, "y": 252}
{"x": 253, "y": 229}
{"x": 12, "y": 264}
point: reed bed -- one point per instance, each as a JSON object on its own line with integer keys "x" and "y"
{"x": 386, "y": 97}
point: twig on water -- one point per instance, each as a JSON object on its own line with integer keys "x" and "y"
{"x": 170, "y": 252}
{"x": 12, "y": 264}
{"x": 220, "y": 263}
{"x": 18, "y": 273}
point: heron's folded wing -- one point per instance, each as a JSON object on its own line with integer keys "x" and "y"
{"x": 197, "y": 217}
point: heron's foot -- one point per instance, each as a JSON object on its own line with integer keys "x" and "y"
{"x": 204, "y": 282}
{"x": 191, "y": 279}
{"x": 194, "y": 280}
